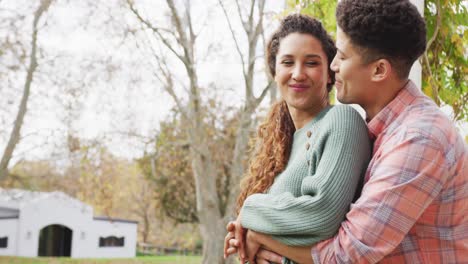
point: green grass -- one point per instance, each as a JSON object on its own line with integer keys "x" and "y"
{"x": 137, "y": 260}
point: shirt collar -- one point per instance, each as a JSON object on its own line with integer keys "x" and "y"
{"x": 391, "y": 111}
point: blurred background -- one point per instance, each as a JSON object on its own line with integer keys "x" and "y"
{"x": 144, "y": 109}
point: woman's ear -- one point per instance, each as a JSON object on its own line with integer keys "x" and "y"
{"x": 381, "y": 70}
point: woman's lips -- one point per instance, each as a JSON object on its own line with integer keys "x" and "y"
{"x": 299, "y": 87}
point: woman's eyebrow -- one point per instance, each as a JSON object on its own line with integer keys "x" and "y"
{"x": 313, "y": 56}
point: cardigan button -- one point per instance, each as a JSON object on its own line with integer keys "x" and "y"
{"x": 307, "y": 146}
{"x": 309, "y": 133}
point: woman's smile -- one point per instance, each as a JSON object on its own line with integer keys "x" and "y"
{"x": 299, "y": 87}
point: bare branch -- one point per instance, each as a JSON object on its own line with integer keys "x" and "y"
{"x": 234, "y": 37}
{"x": 250, "y": 21}
{"x": 259, "y": 28}
{"x": 239, "y": 11}
{"x": 155, "y": 30}
{"x": 166, "y": 80}
{"x": 182, "y": 36}
{"x": 16, "y": 131}
{"x": 437, "y": 26}
{"x": 189, "y": 22}
{"x": 265, "y": 90}
{"x": 434, "y": 86}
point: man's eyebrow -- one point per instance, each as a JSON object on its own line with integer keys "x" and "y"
{"x": 340, "y": 51}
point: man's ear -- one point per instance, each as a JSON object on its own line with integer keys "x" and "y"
{"x": 381, "y": 70}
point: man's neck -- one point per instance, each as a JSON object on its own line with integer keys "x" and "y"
{"x": 386, "y": 93}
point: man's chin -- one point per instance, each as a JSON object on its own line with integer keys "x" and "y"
{"x": 342, "y": 100}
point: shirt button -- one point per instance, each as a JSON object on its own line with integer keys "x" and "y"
{"x": 309, "y": 133}
{"x": 307, "y": 146}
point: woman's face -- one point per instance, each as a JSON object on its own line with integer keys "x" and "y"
{"x": 301, "y": 72}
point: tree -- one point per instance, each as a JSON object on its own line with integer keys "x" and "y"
{"x": 444, "y": 63}
{"x": 18, "y": 123}
{"x": 170, "y": 171}
{"x": 181, "y": 43}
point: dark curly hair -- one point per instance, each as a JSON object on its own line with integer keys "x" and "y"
{"x": 272, "y": 145}
{"x": 298, "y": 23}
{"x": 389, "y": 29}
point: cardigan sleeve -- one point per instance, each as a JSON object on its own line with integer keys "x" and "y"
{"x": 325, "y": 195}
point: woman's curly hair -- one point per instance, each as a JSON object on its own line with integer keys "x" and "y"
{"x": 273, "y": 143}
{"x": 272, "y": 149}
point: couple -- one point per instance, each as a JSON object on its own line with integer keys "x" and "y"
{"x": 324, "y": 188}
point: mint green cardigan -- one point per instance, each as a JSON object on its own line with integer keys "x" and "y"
{"x": 309, "y": 199}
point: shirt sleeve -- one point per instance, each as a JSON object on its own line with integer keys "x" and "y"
{"x": 403, "y": 181}
{"x": 326, "y": 195}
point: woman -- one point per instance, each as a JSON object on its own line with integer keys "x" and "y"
{"x": 310, "y": 155}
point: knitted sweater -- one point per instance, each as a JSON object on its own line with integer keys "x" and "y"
{"x": 309, "y": 199}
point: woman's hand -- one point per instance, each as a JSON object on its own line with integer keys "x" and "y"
{"x": 235, "y": 240}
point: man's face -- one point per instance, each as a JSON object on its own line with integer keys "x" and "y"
{"x": 352, "y": 76}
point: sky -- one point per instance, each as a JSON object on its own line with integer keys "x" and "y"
{"x": 112, "y": 76}
{"x": 128, "y": 100}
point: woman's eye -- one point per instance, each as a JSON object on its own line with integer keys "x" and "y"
{"x": 287, "y": 62}
{"x": 312, "y": 63}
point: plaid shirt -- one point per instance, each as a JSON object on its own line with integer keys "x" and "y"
{"x": 414, "y": 204}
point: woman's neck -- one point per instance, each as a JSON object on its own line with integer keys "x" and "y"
{"x": 302, "y": 117}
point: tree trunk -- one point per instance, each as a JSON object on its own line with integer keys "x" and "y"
{"x": 211, "y": 222}
{"x": 237, "y": 166}
{"x": 16, "y": 131}
{"x": 213, "y": 243}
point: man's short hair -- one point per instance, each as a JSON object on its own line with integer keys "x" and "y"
{"x": 388, "y": 29}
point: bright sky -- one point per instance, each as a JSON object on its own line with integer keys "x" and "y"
{"x": 128, "y": 100}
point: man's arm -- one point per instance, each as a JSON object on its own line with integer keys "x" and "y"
{"x": 298, "y": 254}
{"x": 405, "y": 179}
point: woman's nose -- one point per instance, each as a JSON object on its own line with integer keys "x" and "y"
{"x": 298, "y": 73}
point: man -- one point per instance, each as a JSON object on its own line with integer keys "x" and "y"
{"x": 413, "y": 207}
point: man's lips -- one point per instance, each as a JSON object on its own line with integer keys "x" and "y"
{"x": 338, "y": 83}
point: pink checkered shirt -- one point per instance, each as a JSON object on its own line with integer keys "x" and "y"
{"x": 414, "y": 204}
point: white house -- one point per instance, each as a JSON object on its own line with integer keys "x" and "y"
{"x": 54, "y": 224}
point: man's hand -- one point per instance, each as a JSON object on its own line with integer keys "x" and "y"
{"x": 252, "y": 246}
{"x": 265, "y": 256}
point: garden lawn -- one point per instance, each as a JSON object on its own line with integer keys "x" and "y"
{"x": 137, "y": 260}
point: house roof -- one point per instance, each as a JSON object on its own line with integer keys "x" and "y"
{"x": 109, "y": 219}
{"x": 16, "y": 198}
{"x": 11, "y": 201}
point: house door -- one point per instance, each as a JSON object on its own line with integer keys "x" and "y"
{"x": 55, "y": 241}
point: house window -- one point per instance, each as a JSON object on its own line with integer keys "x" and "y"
{"x": 3, "y": 242}
{"x": 111, "y": 241}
